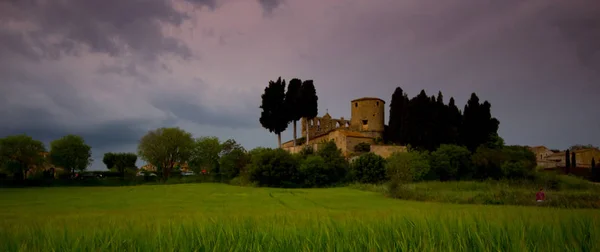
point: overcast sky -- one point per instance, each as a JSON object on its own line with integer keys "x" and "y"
{"x": 112, "y": 70}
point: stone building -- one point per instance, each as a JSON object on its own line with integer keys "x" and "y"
{"x": 549, "y": 159}
{"x": 366, "y": 125}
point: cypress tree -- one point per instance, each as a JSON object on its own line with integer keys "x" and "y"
{"x": 594, "y": 171}
{"x": 274, "y": 115}
{"x": 292, "y": 100}
{"x": 573, "y": 160}
{"x": 454, "y": 122}
{"x": 398, "y": 108}
{"x": 309, "y": 108}
{"x": 567, "y": 161}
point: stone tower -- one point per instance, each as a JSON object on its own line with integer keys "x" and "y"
{"x": 368, "y": 116}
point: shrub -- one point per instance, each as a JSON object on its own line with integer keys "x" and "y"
{"x": 407, "y": 166}
{"x": 362, "y": 147}
{"x": 276, "y": 168}
{"x": 306, "y": 151}
{"x": 315, "y": 172}
{"x": 508, "y": 162}
{"x": 334, "y": 160}
{"x": 450, "y": 162}
{"x": 368, "y": 168}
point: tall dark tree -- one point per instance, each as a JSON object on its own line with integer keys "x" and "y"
{"x": 454, "y": 122}
{"x": 595, "y": 171}
{"x": 292, "y": 100}
{"x": 420, "y": 123}
{"x": 478, "y": 126}
{"x": 273, "y": 116}
{"x": 398, "y": 117}
{"x": 573, "y": 160}
{"x": 309, "y": 102}
{"x": 568, "y": 162}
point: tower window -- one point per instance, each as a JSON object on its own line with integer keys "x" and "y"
{"x": 356, "y": 104}
{"x": 377, "y": 103}
{"x": 365, "y": 122}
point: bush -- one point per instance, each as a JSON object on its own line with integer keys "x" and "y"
{"x": 315, "y": 172}
{"x": 368, "y": 168}
{"x": 334, "y": 160}
{"x": 451, "y": 162}
{"x": 507, "y": 162}
{"x": 233, "y": 163}
{"x": 362, "y": 147}
{"x": 407, "y": 167}
{"x": 275, "y": 168}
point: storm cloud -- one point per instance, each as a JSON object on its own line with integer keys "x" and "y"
{"x": 112, "y": 70}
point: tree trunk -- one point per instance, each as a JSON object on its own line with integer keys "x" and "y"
{"x": 294, "y": 133}
{"x": 279, "y": 139}
{"x": 307, "y": 131}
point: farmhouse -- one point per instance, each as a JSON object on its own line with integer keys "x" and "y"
{"x": 366, "y": 125}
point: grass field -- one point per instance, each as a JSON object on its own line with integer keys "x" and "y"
{"x": 218, "y": 217}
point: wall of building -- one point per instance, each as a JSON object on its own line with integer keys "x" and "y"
{"x": 351, "y": 142}
{"x": 322, "y": 125}
{"x": 369, "y": 110}
{"x": 386, "y": 151}
{"x": 584, "y": 157}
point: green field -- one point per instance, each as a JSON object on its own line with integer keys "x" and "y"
{"x": 218, "y": 217}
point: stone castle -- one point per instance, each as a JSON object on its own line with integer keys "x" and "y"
{"x": 366, "y": 125}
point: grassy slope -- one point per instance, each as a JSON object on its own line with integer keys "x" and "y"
{"x": 216, "y": 217}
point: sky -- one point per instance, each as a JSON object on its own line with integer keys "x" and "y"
{"x": 112, "y": 70}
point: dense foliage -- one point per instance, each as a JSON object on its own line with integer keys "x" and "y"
{"x": 425, "y": 122}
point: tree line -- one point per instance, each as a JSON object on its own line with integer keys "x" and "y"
{"x": 21, "y": 153}
{"x": 227, "y": 161}
{"x": 425, "y": 122}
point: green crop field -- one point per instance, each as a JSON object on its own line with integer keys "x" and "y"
{"x": 218, "y": 217}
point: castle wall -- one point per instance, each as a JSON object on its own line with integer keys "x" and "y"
{"x": 322, "y": 125}
{"x": 368, "y": 115}
{"x": 386, "y": 151}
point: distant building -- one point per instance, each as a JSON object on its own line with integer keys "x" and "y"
{"x": 366, "y": 125}
{"x": 549, "y": 159}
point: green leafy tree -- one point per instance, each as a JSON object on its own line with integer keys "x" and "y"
{"x": 109, "y": 160}
{"x": 362, "y": 147}
{"x": 121, "y": 162}
{"x": 334, "y": 160}
{"x": 71, "y": 152}
{"x": 274, "y": 115}
{"x": 406, "y": 167}
{"x": 292, "y": 103}
{"x": 164, "y": 147}
{"x": 274, "y": 168}
{"x": 19, "y": 153}
{"x": 205, "y": 155}
{"x": 450, "y": 162}
{"x": 368, "y": 168}
{"x": 315, "y": 172}
{"x": 233, "y": 159}
{"x": 309, "y": 107}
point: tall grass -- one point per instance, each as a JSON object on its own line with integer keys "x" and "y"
{"x": 212, "y": 217}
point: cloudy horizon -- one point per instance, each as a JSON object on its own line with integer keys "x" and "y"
{"x": 112, "y": 70}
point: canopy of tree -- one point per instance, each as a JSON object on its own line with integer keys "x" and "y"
{"x": 19, "y": 153}
{"x": 120, "y": 161}
{"x": 71, "y": 152}
{"x": 164, "y": 147}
